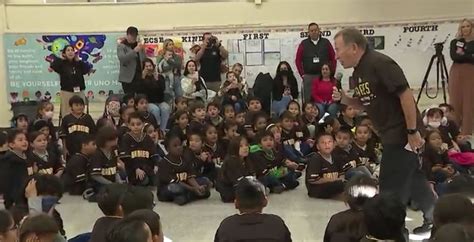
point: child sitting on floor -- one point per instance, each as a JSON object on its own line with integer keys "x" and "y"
{"x": 345, "y": 152}
{"x": 204, "y": 168}
{"x": 213, "y": 116}
{"x": 212, "y": 146}
{"x": 228, "y": 111}
{"x": 103, "y": 164}
{"x": 198, "y": 118}
{"x": 325, "y": 173}
{"x": 178, "y": 182}
{"x": 367, "y": 154}
{"x": 229, "y": 131}
{"x": 180, "y": 124}
{"x": 250, "y": 199}
{"x": 76, "y": 169}
{"x": 295, "y": 144}
{"x": 436, "y": 165}
{"x": 310, "y": 119}
{"x": 347, "y": 116}
{"x": 17, "y": 167}
{"x": 47, "y": 162}
{"x": 349, "y": 224}
{"x": 269, "y": 166}
{"x": 232, "y": 91}
{"x": 234, "y": 168}
{"x": 138, "y": 152}
{"x": 141, "y": 105}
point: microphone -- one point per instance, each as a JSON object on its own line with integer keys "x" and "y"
{"x": 338, "y": 77}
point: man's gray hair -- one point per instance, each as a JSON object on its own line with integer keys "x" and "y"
{"x": 353, "y": 36}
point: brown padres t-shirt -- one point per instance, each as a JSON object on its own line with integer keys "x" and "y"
{"x": 379, "y": 81}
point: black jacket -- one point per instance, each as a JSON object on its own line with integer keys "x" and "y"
{"x": 71, "y": 73}
{"x": 279, "y": 88}
{"x": 153, "y": 88}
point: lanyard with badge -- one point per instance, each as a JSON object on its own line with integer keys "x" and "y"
{"x": 76, "y": 89}
{"x": 316, "y": 60}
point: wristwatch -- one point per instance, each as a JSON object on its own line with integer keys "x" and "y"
{"x": 412, "y": 131}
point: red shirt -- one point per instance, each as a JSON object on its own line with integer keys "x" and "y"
{"x": 322, "y": 90}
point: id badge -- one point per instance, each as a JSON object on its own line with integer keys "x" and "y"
{"x": 460, "y": 44}
{"x": 315, "y": 59}
{"x": 77, "y": 89}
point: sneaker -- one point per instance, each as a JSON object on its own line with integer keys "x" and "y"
{"x": 180, "y": 200}
{"x": 425, "y": 228}
{"x": 267, "y": 190}
{"x": 298, "y": 174}
{"x": 93, "y": 198}
{"x": 278, "y": 189}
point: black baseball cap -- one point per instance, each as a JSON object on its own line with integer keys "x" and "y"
{"x": 132, "y": 31}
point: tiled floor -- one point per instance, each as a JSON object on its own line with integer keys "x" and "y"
{"x": 198, "y": 221}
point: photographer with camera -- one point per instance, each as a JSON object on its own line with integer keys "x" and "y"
{"x": 130, "y": 53}
{"x": 210, "y": 56}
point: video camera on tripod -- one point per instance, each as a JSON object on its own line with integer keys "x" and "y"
{"x": 441, "y": 70}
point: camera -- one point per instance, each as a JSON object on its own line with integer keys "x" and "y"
{"x": 439, "y": 47}
{"x": 212, "y": 41}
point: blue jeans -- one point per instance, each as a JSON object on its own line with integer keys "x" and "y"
{"x": 178, "y": 91}
{"x": 161, "y": 112}
{"x": 332, "y": 109}
{"x": 278, "y": 107}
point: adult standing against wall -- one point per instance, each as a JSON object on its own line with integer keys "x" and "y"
{"x": 173, "y": 65}
{"x": 461, "y": 76}
{"x": 130, "y": 54}
{"x": 210, "y": 56}
{"x": 312, "y": 53}
{"x": 383, "y": 91}
{"x": 71, "y": 72}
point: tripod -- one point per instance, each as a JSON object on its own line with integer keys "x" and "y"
{"x": 441, "y": 70}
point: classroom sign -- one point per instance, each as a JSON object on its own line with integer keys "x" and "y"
{"x": 28, "y": 56}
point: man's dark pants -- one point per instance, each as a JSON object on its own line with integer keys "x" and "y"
{"x": 401, "y": 175}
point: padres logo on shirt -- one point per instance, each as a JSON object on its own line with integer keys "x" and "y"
{"x": 48, "y": 171}
{"x": 78, "y": 128}
{"x": 364, "y": 92}
{"x": 140, "y": 154}
{"x": 183, "y": 176}
{"x": 108, "y": 171}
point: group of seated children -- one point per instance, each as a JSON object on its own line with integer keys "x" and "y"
{"x": 448, "y": 153}
{"x": 213, "y": 146}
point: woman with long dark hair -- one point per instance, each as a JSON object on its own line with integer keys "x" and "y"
{"x": 71, "y": 70}
{"x": 193, "y": 85}
{"x": 321, "y": 92}
{"x": 285, "y": 88}
{"x": 461, "y": 76}
{"x": 153, "y": 86}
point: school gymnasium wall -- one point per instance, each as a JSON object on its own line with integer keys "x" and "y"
{"x": 397, "y": 21}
